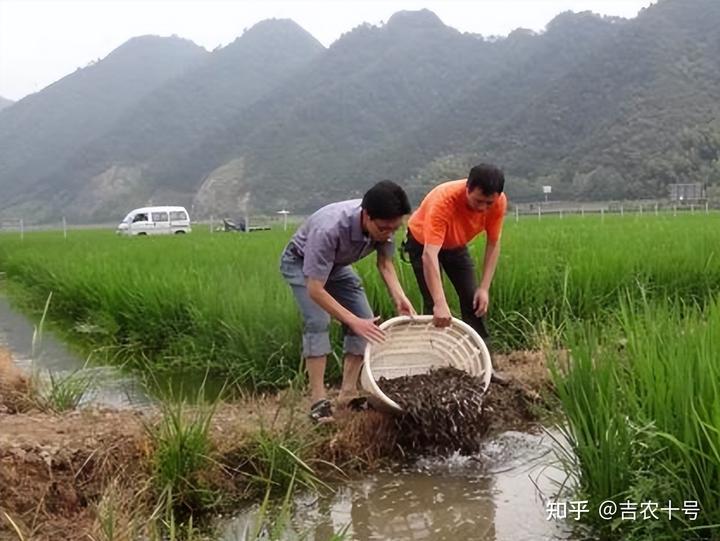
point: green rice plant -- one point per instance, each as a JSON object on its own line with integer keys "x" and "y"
{"x": 218, "y": 302}
{"x": 63, "y": 392}
{"x": 181, "y": 453}
{"x": 642, "y": 404}
{"x": 280, "y": 454}
{"x": 639, "y": 395}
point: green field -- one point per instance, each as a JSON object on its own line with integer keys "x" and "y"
{"x": 634, "y": 299}
{"x": 642, "y": 407}
{"x": 218, "y": 300}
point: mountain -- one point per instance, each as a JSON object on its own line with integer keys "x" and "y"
{"x": 385, "y": 101}
{"x": 525, "y": 66}
{"x": 41, "y": 131}
{"x": 598, "y": 107}
{"x": 308, "y": 138}
{"x": 608, "y": 126}
{"x": 136, "y": 158}
{"x": 4, "y": 102}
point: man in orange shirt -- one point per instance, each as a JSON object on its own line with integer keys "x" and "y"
{"x": 450, "y": 216}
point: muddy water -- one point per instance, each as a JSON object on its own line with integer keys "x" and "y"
{"x": 111, "y": 387}
{"x": 497, "y": 495}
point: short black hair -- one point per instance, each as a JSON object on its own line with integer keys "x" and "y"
{"x": 386, "y": 201}
{"x": 487, "y": 177}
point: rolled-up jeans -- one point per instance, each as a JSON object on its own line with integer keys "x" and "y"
{"x": 345, "y": 287}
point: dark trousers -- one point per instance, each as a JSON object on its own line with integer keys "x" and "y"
{"x": 460, "y": 269}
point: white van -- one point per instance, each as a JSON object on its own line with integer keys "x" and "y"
{"x": 156, "y": 221}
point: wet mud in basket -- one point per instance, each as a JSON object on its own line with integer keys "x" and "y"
{"x": 443, "y": 412}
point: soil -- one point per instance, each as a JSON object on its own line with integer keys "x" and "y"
{"x": 519, "y": 404}
{"x": 14, "y": 386}
{"x": 55, "y": 468}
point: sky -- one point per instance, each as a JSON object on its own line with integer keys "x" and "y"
{"x": 41, "y": 41}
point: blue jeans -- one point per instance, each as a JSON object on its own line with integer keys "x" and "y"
{"x": 345, "y": 287}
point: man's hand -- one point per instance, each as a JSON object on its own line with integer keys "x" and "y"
{"x": 441, "y": 315}
{"x": 481, "y": 300}
{"x": 367, "y": 329}
{"x": 404, "y": 307}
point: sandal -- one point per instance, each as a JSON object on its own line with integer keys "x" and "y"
{"x": 321, "y": 411}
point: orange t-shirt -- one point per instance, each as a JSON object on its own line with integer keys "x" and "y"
{"x": 444, "y": 218}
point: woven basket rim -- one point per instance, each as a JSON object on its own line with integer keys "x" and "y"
{"x": 368, "y": 379}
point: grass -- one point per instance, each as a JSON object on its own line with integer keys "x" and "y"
{"x": 218, "y": 302}
{"x": 642, "y": 406}
{"x": 117, "y": 513}
{"x": 57, "y": 392}
{"x": 15, "y": 527}
{"x": 273, "y": 520}
{"x": 192, "y": 478}
{"x": 181, "y": 453}
{"x": 282, "y": 452}
{"x": 62, "y": 392}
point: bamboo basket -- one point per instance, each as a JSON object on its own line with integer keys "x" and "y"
{"x": 413, "y": 345}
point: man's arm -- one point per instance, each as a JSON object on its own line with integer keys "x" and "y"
{"x": 433, "y": 279}
{"x": 385, "y": 266}
{"x": 362, "y": 327}
{"x": 481, "y": 299}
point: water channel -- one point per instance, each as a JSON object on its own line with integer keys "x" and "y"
{"x": 499, "y": 495}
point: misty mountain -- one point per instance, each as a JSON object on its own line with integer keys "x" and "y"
{"x": 41, "y": 131}
{"x": 160, "y": 129}
{"x": 531, "y": 66}
{"x": 610, "y": 125}
{"x": 4, "y": 102}
{"x": 307, "y": 138}
{"x": 599, "y": 107}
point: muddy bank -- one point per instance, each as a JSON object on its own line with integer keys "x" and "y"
{"x": 55, "y": 470}
{"x": 518, "y": 405}
{"x": 15, "y": 391}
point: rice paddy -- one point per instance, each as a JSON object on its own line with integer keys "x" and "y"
{"x": 633, "y": 299}
{"x": 218, "y": 300}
